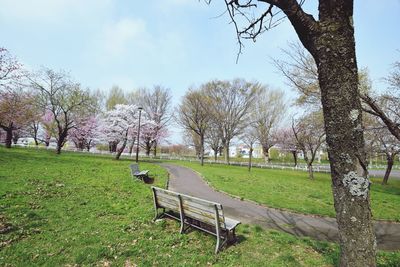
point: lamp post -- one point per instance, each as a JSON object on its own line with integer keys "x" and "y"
{"x": 138, "y": 135}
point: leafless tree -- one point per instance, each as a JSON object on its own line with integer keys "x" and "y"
{"x": 156, "y": 103}
{"x": 229, "y": 102}
{"x": 65, "y": 99}
{"x": 301, "y": 73}
{"x": 309, "y": 134}
{"x": 10, "y": 69}
{"x": 193, "y": 115}
{"x": 213, "y": 139}
{"x": 269, "y": 110}
{"x": 191, "y": 139}
{"x": 250, "y": 137}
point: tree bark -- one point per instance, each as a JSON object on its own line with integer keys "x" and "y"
{"x": 120, "y": 150}
{"x": 60, "y": 143}
{"x": 334, "y": 52}
{"x": 9, "y": 135}
{"x": 226, "y": 148}
{"x": 266, "y": 154}
{"x": 390, "y": 162}
{"x": 215, "y": 154}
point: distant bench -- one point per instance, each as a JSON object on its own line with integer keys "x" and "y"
{"x": 137, "y": 173}
{"x": 199, "y": 213}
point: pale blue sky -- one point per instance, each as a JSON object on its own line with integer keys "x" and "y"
{"x": 174, "y": 43}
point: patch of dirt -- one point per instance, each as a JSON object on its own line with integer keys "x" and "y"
{"x": 5, "y": 227}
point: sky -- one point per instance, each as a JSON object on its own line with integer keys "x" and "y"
{"x": 173, "y": 43}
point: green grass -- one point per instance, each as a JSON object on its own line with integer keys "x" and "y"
{"x": 292, "y": 190}
{"x": 82, "y": 210}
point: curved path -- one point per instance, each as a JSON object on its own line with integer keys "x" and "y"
{"x": 322, "y": 228}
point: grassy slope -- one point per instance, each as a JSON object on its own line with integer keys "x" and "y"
{"x": 77, "y": 209}
{"x": 293, "y": 190}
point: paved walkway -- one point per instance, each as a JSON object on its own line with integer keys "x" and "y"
{"x": 322, "y": 228}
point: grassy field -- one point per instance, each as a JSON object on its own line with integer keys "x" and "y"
{"x": 292, "y": 190}
{"x": 81, "y": 210}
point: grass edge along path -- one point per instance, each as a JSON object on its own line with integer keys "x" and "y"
{"x": 280, "y": 189}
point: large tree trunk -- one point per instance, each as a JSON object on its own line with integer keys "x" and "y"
{"x": 226, "y": 151}
{"x": 9, "y": 135}
{"x": 390, "y": 162}
{"x": 120, "y": 150}
{"x": 60, "y": 143}
{"x": 266, "y": 154}
{"x": 334, "y": 51}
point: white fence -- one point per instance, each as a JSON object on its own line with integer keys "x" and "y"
{"x": 323, "y": 168}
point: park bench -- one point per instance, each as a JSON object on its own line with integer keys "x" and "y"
{"x": 137, "y": 173}
{"x": 195, "y": 212}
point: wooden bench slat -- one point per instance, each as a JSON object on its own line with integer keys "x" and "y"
{"x": 165, "y": 204}
{"x": 197, "y": 209}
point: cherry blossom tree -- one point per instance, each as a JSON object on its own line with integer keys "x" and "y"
{"x": 116, "y": 125}
{"x": 309, "y": 135}
{"x": 15, "y": 112}
{"x": 49, "y": 127}
{"x": 287, "y": 142}
{"x": 157, "y": 104}
{"x": 64, "y": 98}
{"x": 83, "y": 135}
{"x": 10, "y": 69}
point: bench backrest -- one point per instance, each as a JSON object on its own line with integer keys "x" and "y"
{"x": 196, "y": 208}
{"x": 134, "y": 168}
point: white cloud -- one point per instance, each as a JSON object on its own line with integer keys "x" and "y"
{"x": 118, "y": 35}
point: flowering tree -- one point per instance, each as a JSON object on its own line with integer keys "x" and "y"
{"x": 65, "y": 99}
{"x": 117, "y": 124}
{"x": 150, "y": 134}
{"x": 288, "y": 142}
{"x": 309, "y": 134}
{"x": 9, "y": 69}
{"x": 49, "y": 127}
{"x": 15, "y": 111}
{"x": 84, "y": 133}
{"x": 157, "y": 104}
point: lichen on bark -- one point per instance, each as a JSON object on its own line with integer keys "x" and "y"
{"x": 357, "y": 185}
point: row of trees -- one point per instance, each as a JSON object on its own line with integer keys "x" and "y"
{"x": 381, "y": 112}
{"x": 218, "y": 111}
{"x": 50, "y": 105}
